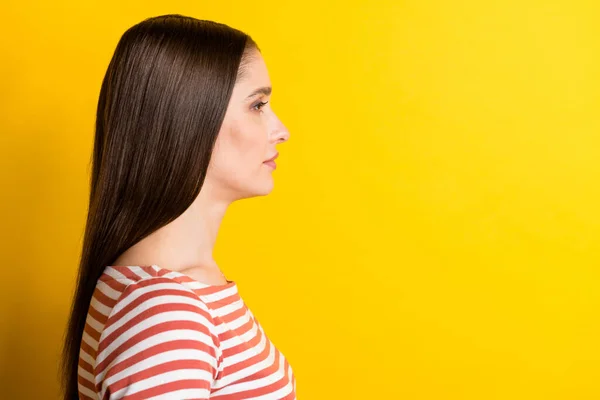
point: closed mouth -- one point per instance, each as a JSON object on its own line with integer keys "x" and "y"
{"x": 272, "y": 158}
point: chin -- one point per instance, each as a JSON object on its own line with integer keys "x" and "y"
{"x": 266, "y": 189}
{"x": 257, "y": 191}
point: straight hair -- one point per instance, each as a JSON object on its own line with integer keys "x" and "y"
{"x": 161, "y": 105}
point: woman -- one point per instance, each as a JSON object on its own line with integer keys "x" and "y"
{"x": 183, "y": 129}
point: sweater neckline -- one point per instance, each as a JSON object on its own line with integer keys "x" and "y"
{"x": 192, "y": 283}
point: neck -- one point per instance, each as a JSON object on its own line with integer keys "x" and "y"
{"x": 187, "y": 242}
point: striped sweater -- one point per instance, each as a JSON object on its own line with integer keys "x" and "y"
{"x": 153, "y": 333}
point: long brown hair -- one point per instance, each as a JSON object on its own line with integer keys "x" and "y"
{"x": 161, "y": 105}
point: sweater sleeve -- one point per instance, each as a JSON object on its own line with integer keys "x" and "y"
{"x": 159, "y": 341}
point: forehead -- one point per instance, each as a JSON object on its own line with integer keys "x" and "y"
{"x": 255, "y": 75}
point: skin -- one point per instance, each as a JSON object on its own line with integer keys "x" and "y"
{"x": 249, "y": 136}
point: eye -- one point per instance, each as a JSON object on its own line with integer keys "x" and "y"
{"x": 259, "y": 105}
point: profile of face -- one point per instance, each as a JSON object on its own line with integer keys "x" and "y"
{"x": 248, "y": 137}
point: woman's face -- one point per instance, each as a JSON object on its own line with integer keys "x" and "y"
{"x": 248, "y": 137}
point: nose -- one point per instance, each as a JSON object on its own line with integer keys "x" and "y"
{"x": 281, "y": 133}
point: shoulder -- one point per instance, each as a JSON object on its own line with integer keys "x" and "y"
{"x": 144, "y": 293}
{"x": 156, "y": 301}
{"x": 157, "y": 324}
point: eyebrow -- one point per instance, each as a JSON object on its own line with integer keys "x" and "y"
{"x": 266, "y": 90}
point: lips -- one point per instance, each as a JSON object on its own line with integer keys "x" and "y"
{"x": 272, "y": 158}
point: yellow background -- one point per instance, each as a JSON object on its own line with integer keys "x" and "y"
{"x": 434, "y": 232}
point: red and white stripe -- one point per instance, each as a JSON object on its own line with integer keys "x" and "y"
{"x": 152, "y": 333}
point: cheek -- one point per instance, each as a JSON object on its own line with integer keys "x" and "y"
{"x": 240, "y": 152}
{"x": 248, "y": 146}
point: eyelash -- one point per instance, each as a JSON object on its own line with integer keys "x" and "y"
{"x": 260, "y": 105}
